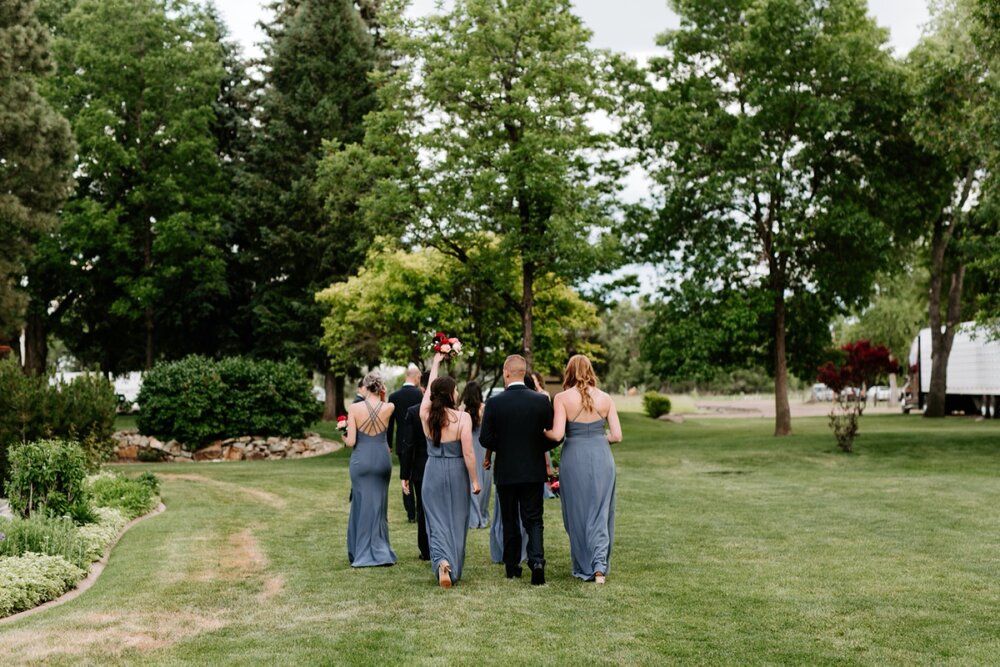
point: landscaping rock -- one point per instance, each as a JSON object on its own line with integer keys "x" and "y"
{"x": 131, "y": 444}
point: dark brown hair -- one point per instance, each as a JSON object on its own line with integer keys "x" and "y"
{"x": 442, "y": 398}
{"x": 472, "y": 397}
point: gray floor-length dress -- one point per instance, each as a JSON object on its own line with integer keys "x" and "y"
{"x": 368, "y": 523}
{"x": 479, "y": 515}
{"x": 587, "y": 489}
{"x": 496, "y": 534}
{"x": 445, "y": 495}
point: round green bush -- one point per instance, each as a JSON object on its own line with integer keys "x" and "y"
{"x": 655, "y": 404}
{"x": 197, "y": 400}
{"x": 46, "y": 477}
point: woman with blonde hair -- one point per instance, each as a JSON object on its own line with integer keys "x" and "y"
{"x": 370, "y": 469}
{"x": 586, "y": 468}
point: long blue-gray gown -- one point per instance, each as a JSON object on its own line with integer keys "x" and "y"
{"x": 479, "y": 516}
{"x": 587, "y": 490}
{"x": 368, "y": 523}
{"x": 496, "y": 534}
{"x": 445, "y": 495}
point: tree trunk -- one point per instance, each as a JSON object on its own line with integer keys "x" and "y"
{"x": 333, "y": 406}
{"x": 782, "y": 411}
{"x": 527, "y": 308}
{"x": 149, "y": 338}
{"x": 893, "y": 394}
{"x": 942, "y": 333}
{"x": 36, "y": 340}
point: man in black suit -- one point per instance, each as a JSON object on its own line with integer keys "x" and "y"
{"x": 412, "y": 459}
{"x": 513, "y": 425}
{"x": 404, "y": 398}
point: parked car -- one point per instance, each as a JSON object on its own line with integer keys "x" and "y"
{"x": 850, "y": 394}
{"x": 821, "y": 392}
{"x": 880, "y": 393}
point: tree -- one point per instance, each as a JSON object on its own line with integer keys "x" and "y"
{"x": 137, "y": 270}
{"x": 860, "y": 366}
{"x": 953, "y": 88}
{"x": 315, "y": 87}
{"x": 773, "y": 129}
{"x": 486, "y": 117}
{"x": 388, "y": 311}
{"x": 624, "y": 326}
{"x": 36, "y": 151}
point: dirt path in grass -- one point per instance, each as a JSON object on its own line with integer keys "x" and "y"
{"x": 764, "y": 408}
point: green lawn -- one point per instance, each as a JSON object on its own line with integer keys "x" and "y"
{"x": 732, "y": 547}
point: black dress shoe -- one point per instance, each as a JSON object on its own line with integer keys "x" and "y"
{"x": 538, "y": 575}
{"x": 425, "y": 557}
{"x": 412, "y": 520}
{"x": 513, "y": 572}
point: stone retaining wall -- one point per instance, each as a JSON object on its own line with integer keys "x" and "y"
{"x": 132, "y": 446}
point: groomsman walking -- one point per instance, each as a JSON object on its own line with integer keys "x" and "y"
{"x": 513, "y": 427}
{"x": 412, "y": 460}
{"x": 404, "y": 399}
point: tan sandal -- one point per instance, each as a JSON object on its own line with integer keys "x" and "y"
{"x": 444, "y": 574}
{"x": 599, "y": 578}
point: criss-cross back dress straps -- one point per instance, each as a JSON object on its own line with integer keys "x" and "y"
{"x": 374, "y": 424}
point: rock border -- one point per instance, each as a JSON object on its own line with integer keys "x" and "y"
{"x": 131, "y": 446}
{"x": 95, "y": 571}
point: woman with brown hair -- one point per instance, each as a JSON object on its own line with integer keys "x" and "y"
{"x": 451, "y": 464}
{"x": 586, "y": 468}
{"x": 370, "y": 469}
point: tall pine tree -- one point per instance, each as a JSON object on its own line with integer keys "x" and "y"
{"x": 315, "y": 87}
{"x": 36, "y": 150}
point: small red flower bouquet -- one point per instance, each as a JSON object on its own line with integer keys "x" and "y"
{"x": 446, "y": 345}
{"x": 342, "y": 424}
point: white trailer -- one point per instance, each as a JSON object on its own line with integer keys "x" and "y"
{"x": 973, "y": 382}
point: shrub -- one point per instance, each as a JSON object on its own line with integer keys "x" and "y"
{"x": 133, "y": 497}
{"x": 197, "y": 400}
{"x": 655, "y": 404}
{"x": 46, "y": 477}
{"x": 95, "y": 537}
{"x": 84, "y": 411}
{"x": 31, "y": 409}
{"x": 28, "y": 580}
{"x": 55, "y": 536}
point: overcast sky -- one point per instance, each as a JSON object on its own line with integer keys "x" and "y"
{"x": 622, "y": 25}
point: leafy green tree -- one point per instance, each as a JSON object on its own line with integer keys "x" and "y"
{"x": 623, "y": 327}
{"x": 314, "y": 87}
{"x": 388, "y": 311}
{"x": 492, "y": 158}
{"x": 773, "y": 128}
{"x": 954, "y": 88}
{"x": 36, "y": 150}
{"x": 137, "y": 270}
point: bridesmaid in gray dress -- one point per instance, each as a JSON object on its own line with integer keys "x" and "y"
{"x": 451, "y": 464}
{"x": 586, "y": 468}
{"x": 370, "y": 470}
{"x": 472, "y": 404}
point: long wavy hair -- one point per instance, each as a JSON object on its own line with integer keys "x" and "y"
{"x": 580, "y": 375}
{"x": 472, "y": 398}
{"x": 442, "y": 399}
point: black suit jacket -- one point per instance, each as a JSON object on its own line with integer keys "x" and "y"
{"x": 512, "y": 427}
{"x": 412, "y": 446}
{"x": 403, "y": 398}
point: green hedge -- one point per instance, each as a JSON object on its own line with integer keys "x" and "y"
{"x": 134, "y": 497}
{"x": 197, "y": 400}
{"x": 32, "y": 408}
{"x": 655, "y": 404}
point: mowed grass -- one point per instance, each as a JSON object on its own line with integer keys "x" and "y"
{"x": 732, "y": 547}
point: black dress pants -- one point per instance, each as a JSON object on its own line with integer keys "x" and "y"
{"x": 522, "y": 501}
{"x": 418, "y": 501}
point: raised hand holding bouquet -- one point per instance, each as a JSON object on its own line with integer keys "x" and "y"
{"x": 446, "y": 345}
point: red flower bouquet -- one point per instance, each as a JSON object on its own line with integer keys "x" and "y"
{"x": 446, "y": 345}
